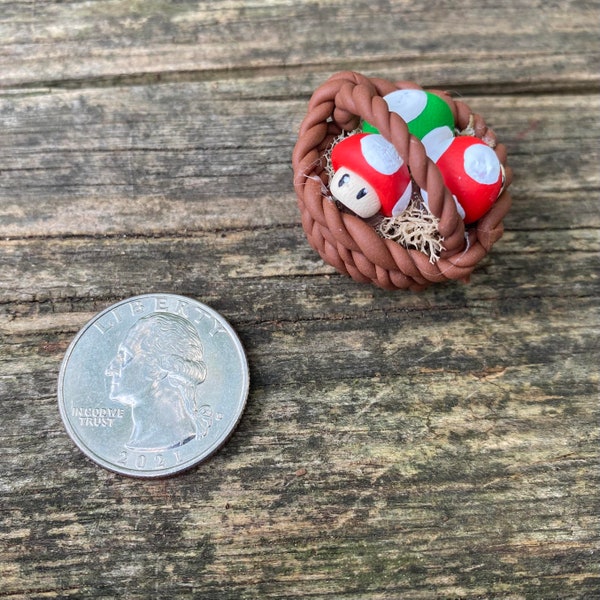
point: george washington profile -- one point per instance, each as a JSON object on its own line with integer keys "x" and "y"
{"x": 157, "y": 371}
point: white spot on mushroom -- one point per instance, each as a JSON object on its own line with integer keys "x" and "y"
{"x": 482, "y": 164}
{"x": 380, "y": 154}
{"x": 409, "y": 104}
{"x": 459, "y": 208}
{"x": 437, "y": 141}
{"x": 403, "y": 201}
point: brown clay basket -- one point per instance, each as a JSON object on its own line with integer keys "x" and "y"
{"x": 346, "y": 241}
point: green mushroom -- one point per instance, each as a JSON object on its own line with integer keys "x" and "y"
{"x": 421, "y": 110}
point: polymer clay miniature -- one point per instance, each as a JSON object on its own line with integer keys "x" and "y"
{"x": 369, "y": 176}
{"x": 422, "y": 111}
{"x": 395, "y": 252}
{"x": 470, "y": 168}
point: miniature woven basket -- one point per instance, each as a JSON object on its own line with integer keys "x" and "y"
{"x": 352, "y": 245}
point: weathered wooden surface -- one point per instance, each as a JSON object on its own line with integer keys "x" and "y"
{"x": 395, "y": 445}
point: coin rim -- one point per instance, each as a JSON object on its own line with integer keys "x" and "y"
{"x": 92, "y": 455}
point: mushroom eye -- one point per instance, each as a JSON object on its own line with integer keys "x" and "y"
{"x": 343, "y": 180}
{"x": 361, "y": 194}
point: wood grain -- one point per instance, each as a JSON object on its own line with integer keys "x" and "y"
{"x": 105, "y": 41}
{"x": 396, "y": 445}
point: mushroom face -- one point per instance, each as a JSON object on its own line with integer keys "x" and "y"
{"x": 354, "y": 192}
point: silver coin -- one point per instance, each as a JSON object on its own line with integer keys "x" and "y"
{"x": 153, "y": 385}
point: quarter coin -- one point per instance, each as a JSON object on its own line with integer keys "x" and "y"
{"x": 153, "y": 385}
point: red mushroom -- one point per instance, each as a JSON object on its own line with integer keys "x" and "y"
{"x": 471, "y": 171}
{"x": 369, "y": 176}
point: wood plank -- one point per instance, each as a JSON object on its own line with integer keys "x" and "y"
{"x": 111, "y": 40}
{"x": 264, "y": 262}
{"x": 205, "y": 156}
{"x": 405, "y": 458}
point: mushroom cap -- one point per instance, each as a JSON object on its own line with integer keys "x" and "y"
{"x": 473, "y": 173}
{"x": 421, "y": 110}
